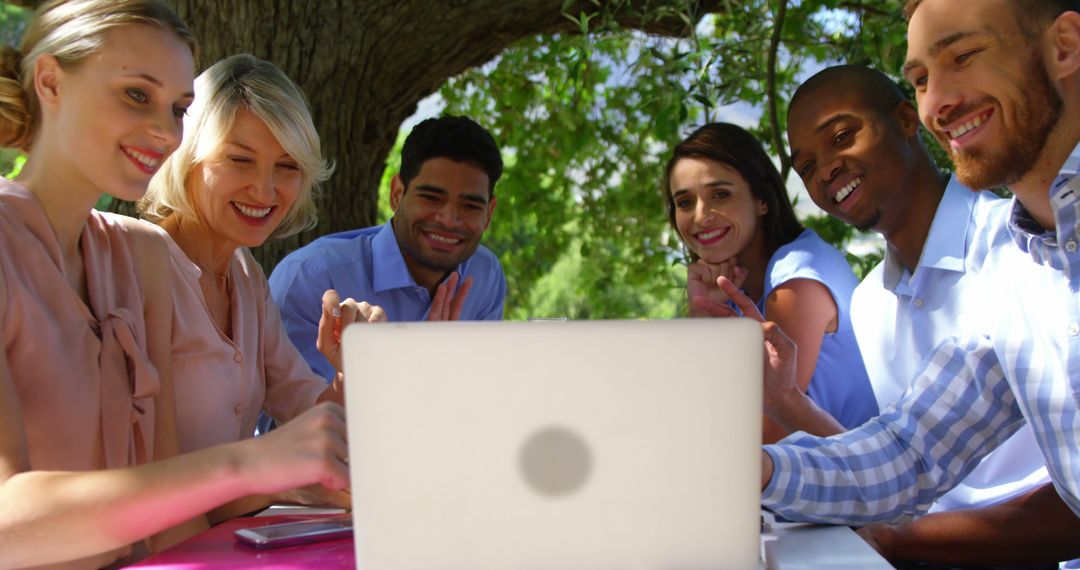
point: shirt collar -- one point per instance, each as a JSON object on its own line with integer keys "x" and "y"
{"x": 946, "y": 242}
{"x": 1059, "y": 248}
{"x": 388, "y": 265}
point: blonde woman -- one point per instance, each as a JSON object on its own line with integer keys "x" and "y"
{"x": 244, "y": 173}
{"x": 87, "y": 422}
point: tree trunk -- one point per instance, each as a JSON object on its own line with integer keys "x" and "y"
{"x": 365, "y": 64}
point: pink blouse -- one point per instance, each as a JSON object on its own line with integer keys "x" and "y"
{"x": 223, "y": 383}
{"x": 85, "y": 385}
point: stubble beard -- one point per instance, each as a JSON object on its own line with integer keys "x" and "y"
{"x": 1017, "y": 150}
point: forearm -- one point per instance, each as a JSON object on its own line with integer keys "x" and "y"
{"x": 49, "y": 517}
{"x": 797, "y": 412}
{"x": 1037, "y": 528}
{"x": 335, "y": 392}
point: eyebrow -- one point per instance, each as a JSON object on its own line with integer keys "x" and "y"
{"x": 713, "y": 184}
{"x": 832, "y": 120}
{"x": 939, "y": 46}
{"x": 467, "y": 197}
{"x": 157, "y": 82}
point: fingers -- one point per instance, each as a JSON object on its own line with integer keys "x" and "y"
{"x": 458, "y": 301}
{"x": 745, "y": 304}
{"x": 377, "y": 314}
{"x": 739, "y": 275}
{"x": 330, "y": 321}
{"x": 778, "y": 342}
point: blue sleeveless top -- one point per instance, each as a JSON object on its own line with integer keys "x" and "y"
{"x": 840, "y": 384}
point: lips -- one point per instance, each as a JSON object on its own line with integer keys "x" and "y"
{"x": 254, "y": 212}
{"x": 712, "y": 236}
{"x": 846, "y": 190}
{"x": 960, "y": 133}
{"x": 145, "y": 159}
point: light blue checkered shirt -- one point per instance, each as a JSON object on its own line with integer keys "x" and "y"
{"x": 970, "y": 395}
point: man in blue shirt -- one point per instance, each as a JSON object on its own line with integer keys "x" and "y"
{"x": 427, "y": 261}
{"x": 998, "y": 85}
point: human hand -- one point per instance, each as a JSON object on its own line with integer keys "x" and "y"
{"x": 701, "y": 281}
{"x": 448, "y": 302}
{"x": 781, "y": 353}
{"x": 309, "y": 449}
{"x": 879, "y": 537}
{"x": 335, "y": 317}
{"x": 316, "y": 496}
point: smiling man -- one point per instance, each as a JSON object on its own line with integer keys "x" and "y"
{"x": 427, "y": 261}
{"x": 998, "y": 83}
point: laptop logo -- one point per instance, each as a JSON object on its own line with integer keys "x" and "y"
{"x": 555, "y": 461}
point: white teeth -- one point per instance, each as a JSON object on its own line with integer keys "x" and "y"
{"x": 964, "y": 129}
{"x": 846, "y": 190}
{"x": 710, "y": 235}
{"x": 441, "y": 239}
{"x": 142, "y": 158}
{"x": 252, "y": 212}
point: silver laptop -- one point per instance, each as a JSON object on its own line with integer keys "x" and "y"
{"x": 555, "y": 445}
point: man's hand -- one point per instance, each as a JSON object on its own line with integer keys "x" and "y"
{"x": 449, "y": 298}
{"x": 701, "y": 281}
{"x": 335, "y": 317}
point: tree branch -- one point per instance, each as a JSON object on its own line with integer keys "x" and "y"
{"x": 774, "y": 114}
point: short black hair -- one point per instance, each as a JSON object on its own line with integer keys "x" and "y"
{"x": 1031, "y": 15}
{"x": 735, "y": 147}
{"x": 875, "y": 89}
{"x": 457, "y": 138}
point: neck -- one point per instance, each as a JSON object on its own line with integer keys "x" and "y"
{"x": 906, "y": 221}
{"x": 424, "y": 276}
{"x": 1033, "y": 190}
{"x": 65, "y": 198}
{"x": 755, "y": 259}
{"x": 198, "y": 244}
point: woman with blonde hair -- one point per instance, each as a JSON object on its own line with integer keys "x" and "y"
{"x": 88, "y": 462}
{"x": 245, "y": 173}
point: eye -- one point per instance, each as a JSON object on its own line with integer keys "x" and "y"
{"x": 179, "y": 112}
{"x": 721, "y": 194}
{"x": 288, "y": 166}
{"x": 473, "y": 206}
{"x": 239, "y": 159}
{"x": 682, "y": 203}
{"x": 966, "y": 56}
{"x": 841, "y": 137}
{"x": 805, "y": 169}
{"x": 137, "y": 95}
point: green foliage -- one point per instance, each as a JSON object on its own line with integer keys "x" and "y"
{"x": 585, "y": 121}
{"x": 13, "y": 21}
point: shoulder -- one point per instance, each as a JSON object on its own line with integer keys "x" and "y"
{"x": 149, "y": 243}
{"x": 809, "y": 257}
{"x": 330, "y": 250}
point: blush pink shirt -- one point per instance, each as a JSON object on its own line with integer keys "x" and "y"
{"x": 223, "y": 383}
{"x": 85, "y": 384}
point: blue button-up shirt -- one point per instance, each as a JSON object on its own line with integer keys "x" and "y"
{"x": 367, "y": 265}
{"x": 971, "y": 394}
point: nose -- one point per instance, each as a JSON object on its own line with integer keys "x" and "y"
{"x": 448, "y": 214}
{"x": 828, "y": 171}
{"x": 703, "y": 213}
{"x": 938, "y": 100}
{"x": 166, "y": 129}
{"x": 264, "y": 184}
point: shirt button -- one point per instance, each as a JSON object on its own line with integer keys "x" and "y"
{"x": 238, "y": 409}
{"x": 1074, "y": 329}
{"x": 238, "y": 357}
{"x": 1070, "y": 246}
{"x": 918, "y": 303}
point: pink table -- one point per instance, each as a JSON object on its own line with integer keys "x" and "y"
{"x": 217, "y": 548}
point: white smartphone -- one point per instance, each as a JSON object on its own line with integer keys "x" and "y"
{"x": 300, "y": 532}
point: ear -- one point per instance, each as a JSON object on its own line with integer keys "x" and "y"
{"x": 1063, "y": 42}
{"x": 397, "y": 190}
{"x": 907, "y": 117}
{"x": 491, "y": 210}
{"x": 48, "y": 75}
{"x": 762, "y": 208}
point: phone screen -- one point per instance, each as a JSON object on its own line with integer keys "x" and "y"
{"x": 300, "y": 532}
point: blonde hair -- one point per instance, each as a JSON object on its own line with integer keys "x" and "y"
{"x": 259, "y": 86}
{"x": 69, "y": 30}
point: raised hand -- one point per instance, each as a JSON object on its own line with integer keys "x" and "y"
{"x": 701, "y": 281}
{"x": 335, "y": 317}
{"x": 449, "y": 298}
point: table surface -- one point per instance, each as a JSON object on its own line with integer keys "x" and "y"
{"x": 786, "y": 546}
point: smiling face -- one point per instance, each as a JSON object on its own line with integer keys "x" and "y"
{"x": 716, "y": 214}
{"x": 853, "y": 159}
{"x": 243, "y": 191}
{"x": 982, "y": 89}
{"x": 119, "y": 111}
{"x": 440, "y": 218}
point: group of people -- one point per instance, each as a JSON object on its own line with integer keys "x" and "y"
{"x": 139, "y": 354}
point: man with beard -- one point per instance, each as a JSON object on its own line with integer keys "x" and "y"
{"x": 427, "y": 261}
{"x": 855, "y": 143}
{"x": 998, "y": 84}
